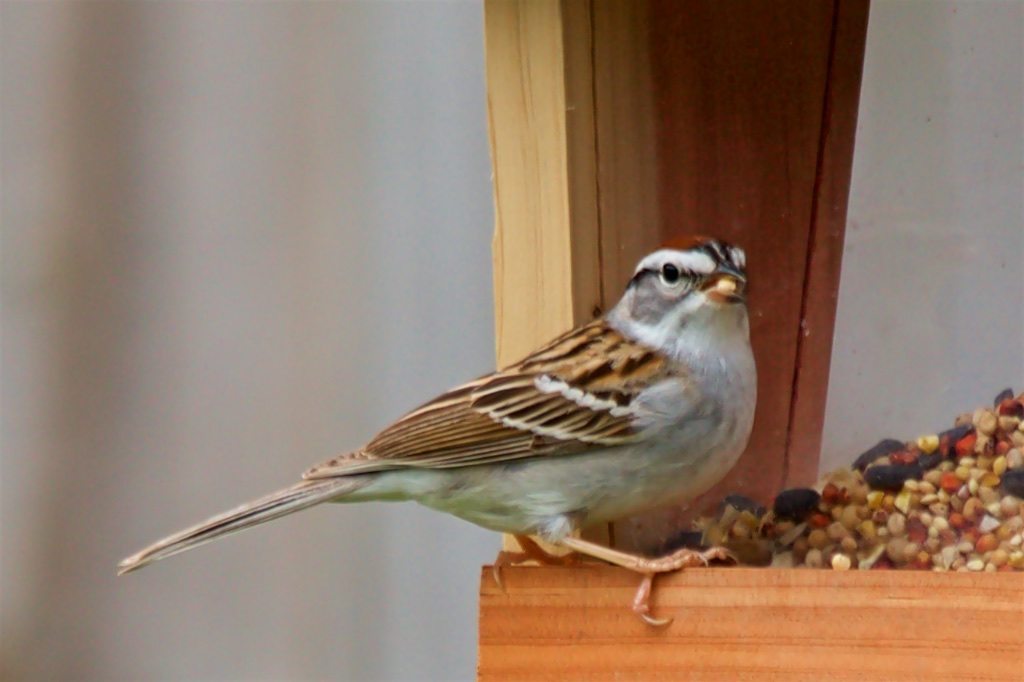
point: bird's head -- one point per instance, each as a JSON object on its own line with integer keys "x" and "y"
{"x": 700, "y": 285}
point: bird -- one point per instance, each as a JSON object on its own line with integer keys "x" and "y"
{"x": 647, "y": 406}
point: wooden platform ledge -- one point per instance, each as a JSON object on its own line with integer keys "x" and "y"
{"x": 761, "y": 624}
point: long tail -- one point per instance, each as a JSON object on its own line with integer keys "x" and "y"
{"x": 275, "y": 505}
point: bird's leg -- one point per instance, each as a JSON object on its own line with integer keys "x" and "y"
{"x": 544, "y": 557}
{"x": 648, "y": 568}
{"x": 530, "y": 551}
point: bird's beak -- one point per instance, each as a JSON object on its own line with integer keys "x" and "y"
{"x": 727, "y": 285}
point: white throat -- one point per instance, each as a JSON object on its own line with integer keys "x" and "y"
{"x": 691, "y": 336}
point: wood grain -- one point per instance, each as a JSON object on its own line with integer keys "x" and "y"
{"x": 825, "y": 248}
{"x": 753, "y": 624}
{"x": 627, "y": 169}
{"x": 540, "y": 111}
{"x": 740, "y": 97}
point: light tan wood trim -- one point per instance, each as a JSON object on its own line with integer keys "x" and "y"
{"x": 752, "y": 624}
{"x": 540, "y": 115}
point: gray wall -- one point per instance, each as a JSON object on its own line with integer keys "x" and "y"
{"x": 929, "y": 319}
{"x": 236, "y": 240}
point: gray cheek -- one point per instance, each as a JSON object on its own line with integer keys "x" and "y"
{"x": 649, "y": 305}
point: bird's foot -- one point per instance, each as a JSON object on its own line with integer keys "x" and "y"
{"x": 682, "y": 558}
{"x": 530, "y": 551}
{"x": 648, "y": 567}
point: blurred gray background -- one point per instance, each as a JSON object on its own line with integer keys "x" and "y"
{"x": 240, "y": 238}
{"x": 237, "y": 239}
{"x": 929, "y": 321}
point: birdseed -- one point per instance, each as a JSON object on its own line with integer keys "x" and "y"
{"x": 950, "y": 501}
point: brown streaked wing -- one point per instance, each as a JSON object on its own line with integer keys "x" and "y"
{"x": 592, "y": 375}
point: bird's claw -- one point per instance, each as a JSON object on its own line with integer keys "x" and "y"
{"x": 496, "y": 574}
{"x": 655, "y": 622}
{"x": 531, "y": 551}
{"x": 642, "y": 603}
{"x": 718, "y": 553}
{"x": 680, "y": 559}
{"x": 505, "y": 559}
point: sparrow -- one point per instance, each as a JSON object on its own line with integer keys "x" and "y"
{"x": 645, "y": 407}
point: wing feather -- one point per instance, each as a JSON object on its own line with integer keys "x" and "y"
{"x": 577, "y": 392}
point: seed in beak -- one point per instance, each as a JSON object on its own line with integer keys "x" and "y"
{"x": 726, "y": 286}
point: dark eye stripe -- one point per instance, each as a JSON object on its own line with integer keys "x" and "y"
{"x": 640, "y": 274}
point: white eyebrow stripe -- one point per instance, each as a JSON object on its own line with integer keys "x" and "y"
{"x": 694, "y": 261}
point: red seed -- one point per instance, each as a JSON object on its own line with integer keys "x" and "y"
{"x": 819, "y": 520}
{"x": 949, "y": 482}
{"x": 986, "y": 543}
{"x": 904, "y": 456}
{"x": 830, "y": 493}
{"x": 917, "y": 532}
{"x": 1002, "y": 447}
{"x": 957, "y": 520}
{"x": 965, "y": 445}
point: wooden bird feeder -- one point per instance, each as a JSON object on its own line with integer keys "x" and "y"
{"x": 614, "y": 127}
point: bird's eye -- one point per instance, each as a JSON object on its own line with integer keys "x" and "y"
{"x": 670, "y": 274}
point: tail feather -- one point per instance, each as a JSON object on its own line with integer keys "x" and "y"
{"x": 275, "y": 505}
